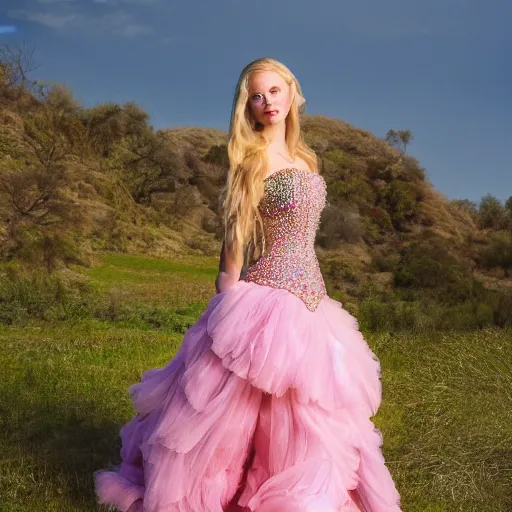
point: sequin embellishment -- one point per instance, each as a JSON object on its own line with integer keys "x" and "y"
{"x": 291, "y": 209}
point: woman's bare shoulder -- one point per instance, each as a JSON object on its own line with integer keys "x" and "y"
{"x": 300, "y": 163}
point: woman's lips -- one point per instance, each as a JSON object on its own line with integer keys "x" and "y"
{"x": 271, "y": 112}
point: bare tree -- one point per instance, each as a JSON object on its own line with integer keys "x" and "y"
{"x": 16, "y": 62}
{"x": 35, "y": 172}
{"x": 147, "y": 164}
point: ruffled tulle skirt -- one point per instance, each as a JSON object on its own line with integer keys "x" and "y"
{"x": 266, "y": 407}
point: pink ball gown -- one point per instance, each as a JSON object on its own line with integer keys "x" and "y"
{"x": 266, "y": 406}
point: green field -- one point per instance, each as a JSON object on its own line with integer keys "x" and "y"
{"x": 446, "y": 413}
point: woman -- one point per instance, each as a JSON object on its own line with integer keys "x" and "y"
{"x": 266, "y": 405}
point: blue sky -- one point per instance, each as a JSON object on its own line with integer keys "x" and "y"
{"x": 441, "y": 68}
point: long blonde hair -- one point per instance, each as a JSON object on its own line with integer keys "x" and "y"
{"x": 248, "y": 161}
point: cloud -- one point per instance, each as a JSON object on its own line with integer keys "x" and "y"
{"x": 117, "y": 23}
{"x": 47, "y": 19}
{"x": 121, "y": 23}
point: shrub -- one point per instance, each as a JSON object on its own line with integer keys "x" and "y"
{"x": 377, "y": 223}
{"x": 498, "y": 254}
{"x": 400, "y": 199}
{"x": 500, "y": 302}
{"x": 339, "y": 223}
{"x": 380, "y": 218}
{"x": 35, "y": 295}
{"x": 338, "y": 272}
{"x": 412, "y": 170}
{"x": 390, "y": 314}
{"x": 491, "y": 213}
{"x": 379, "y": 168}
{"x": 218, "y": 155}
{"x": 355, "y": 190}
{"x": 48, "y": 249}
{"x": 427, "y": 264}
{"x": 466, "y": 205}
{"x": 376, "y": 314}
{"x": 382, "y": 263}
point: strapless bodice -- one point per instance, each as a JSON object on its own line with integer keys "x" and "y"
{"x": 290, "y": 208}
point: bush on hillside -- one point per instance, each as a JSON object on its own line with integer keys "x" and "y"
{"x": 218, "y": 155}
{"x": 145, "y": 164}
{"x": 400, "y": 199}
{"x": 355, "y": 190}
{"x": 60, "y": 98}
{"x": 338, "y": 273}
{"x": 339, "y": 224}
{"x": 377, "y": 224}
{"x": 412, "y": 170}
{"x": 491, "y": 213}
{"x": 467, "y": 206}
{"x": 380, "y": 168}
{"x": 382, "y": 263}
{"x": 108, "y": 123}
{"x": 508, "y": 210}
{"x": 498, "y": 254}
{"x": 428, "y": 265}
{"x": 344, "y": 165}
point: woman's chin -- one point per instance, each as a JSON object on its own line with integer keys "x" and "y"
{"x": 271, "y": 121}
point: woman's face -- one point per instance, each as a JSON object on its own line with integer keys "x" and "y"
{"x": 269, "y": 97}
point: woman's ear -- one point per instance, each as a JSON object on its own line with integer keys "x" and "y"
{"x": 301, "y": 102}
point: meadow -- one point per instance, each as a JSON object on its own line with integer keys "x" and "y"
{"x": 445, "y": 417}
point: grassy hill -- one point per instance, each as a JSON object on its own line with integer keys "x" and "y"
{"x": 76, "y": 182}
{"x": 170, "y": 181}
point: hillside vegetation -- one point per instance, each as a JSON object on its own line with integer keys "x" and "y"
{"x": 77, "y": 182}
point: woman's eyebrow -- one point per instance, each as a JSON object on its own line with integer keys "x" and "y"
{"x": 270, "y": 88}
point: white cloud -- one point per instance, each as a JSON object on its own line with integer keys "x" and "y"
{"x": 47, "y": 19}
{"x": 121, "y": 23}
{"x": 117, "y": 23}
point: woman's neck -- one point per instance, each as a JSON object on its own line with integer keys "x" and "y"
{"x": 276, "y": 135}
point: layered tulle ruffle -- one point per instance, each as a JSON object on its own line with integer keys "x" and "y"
{"x": 265, "y": 408}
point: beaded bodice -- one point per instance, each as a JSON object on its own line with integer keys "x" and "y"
{"x": 290, "y": 208}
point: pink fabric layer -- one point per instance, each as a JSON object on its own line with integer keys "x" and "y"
{"x": 265, "y": 408}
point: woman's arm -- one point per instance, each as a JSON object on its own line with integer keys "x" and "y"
{"x": 229, "y": 270}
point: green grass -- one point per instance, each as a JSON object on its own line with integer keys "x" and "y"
{"x": 447, "y": 418}
{"x": 446, "y": 412}
{"x": 154, "y": 281}
{"x": 63, "y": 397}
